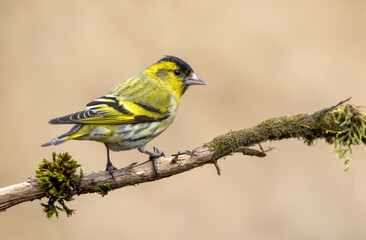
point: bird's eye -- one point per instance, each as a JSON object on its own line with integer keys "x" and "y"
{"x": 177, "y": 73}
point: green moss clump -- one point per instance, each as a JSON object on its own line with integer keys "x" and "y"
{"x": 272, "y": 129}
{"x": 352, "y": 131}
{"x": 225, "y": 145}
{"x": 343, "y": 126}
{"x": 103, "y": 190}
{"x": 58, "y": 179}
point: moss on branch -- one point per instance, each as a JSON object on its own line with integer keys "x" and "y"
{"x": 58, "y": 179}
{"x": 343, "y": 126}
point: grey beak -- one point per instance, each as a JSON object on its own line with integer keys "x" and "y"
{"x": 192, "y": 79}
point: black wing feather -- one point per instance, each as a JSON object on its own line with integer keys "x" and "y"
{"x": 74, "y": 117}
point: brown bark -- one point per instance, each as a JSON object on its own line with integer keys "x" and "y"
{"x": 328, "y": 123}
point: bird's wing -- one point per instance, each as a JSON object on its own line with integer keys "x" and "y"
{"x": 130, "y": 102}
{"x": 115, "y": 110}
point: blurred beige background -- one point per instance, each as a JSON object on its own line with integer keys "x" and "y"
{"x": 260, "y": 59}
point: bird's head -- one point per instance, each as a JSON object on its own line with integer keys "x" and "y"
{"x": 174, "y": 75}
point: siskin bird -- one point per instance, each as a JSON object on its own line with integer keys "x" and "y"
{"x": 134, "y": 112}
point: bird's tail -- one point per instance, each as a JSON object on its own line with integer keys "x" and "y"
{"x": 73, "y": 133}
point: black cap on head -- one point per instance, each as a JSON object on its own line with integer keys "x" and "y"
{"x": 181, "y": 64}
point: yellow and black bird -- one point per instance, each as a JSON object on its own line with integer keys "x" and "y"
{"x": 134, "y": 112}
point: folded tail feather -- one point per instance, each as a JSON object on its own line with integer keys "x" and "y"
{"x": 74, "y": 117}
{"x": 64, "y": 137}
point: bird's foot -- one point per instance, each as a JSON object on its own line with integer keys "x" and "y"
{"x": 156, "y": 154}
{"x": 110, "y": 168}
{"x": 153, "y": 156}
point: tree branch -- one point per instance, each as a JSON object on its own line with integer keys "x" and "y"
{"x": 341, "y": 125}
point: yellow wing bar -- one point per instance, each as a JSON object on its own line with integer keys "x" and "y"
{"x": 114, "y": 110}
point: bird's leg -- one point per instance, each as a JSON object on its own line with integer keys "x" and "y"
{"x": 153, "y": 156}
{"x": 109, "y": 166}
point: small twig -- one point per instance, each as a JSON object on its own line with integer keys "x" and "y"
{"x": 343, "y": 101}
{"x": 217, "y": 167}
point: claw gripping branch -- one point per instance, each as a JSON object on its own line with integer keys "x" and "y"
{"x": 343, "y": 126}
